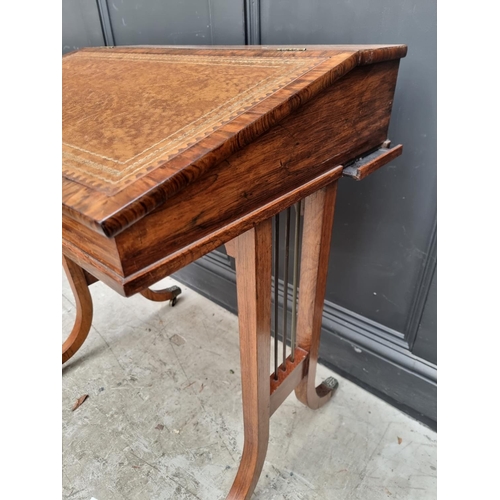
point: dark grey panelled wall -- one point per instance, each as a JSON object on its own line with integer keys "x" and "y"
{"x": 152, "y": 22}
{"x": 177, "y": 22}
{"x": 81, "y": 26}
{"x": 384, "y": 225}
{"x": 380, "y": 313}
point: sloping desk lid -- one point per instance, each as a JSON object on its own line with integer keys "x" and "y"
{"x": 140, "y": 123}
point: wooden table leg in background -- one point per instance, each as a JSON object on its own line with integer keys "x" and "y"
{"x": 318, "y": 224}
{"x": 171, "y": 293}
{"x": 79, "y": 281}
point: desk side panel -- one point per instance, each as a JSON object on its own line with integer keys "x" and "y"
{"x": 343, "y": 122}
{"x": 85, "y": 245}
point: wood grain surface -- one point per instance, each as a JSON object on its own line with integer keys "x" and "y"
{"x": 79, "y": 283}
{"x": 253, "y": 279}
{"x": 111, "y": 139}
{"x": 142, "y": 123}
{"x": 319, "y": 212}
{"x": 347, "y": 120}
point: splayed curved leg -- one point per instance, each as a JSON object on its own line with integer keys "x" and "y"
{"x": 253, "y": 278}
{"x": 171, "y": 293}
{"x": 80, "y": 286}
{"x": 318, "y": 221}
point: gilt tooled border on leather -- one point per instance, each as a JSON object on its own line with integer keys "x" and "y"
{"x": 98, "y": 169}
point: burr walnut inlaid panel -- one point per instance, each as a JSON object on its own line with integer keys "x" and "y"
{"x": 126, "y": 113}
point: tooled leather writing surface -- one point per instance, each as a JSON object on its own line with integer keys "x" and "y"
{"x": 122, "y": 112}
{"x": 141, "y": 123}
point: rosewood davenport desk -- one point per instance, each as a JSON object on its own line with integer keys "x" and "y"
{"x": 170, "y": 152}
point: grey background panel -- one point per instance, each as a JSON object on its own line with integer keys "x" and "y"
{"x": 228, "y": 22}
{"x": 81, "y": 25}
{"x": 425, "y": 343}
{"x": 177, "y": 22}
{"x": 384, "y": 224}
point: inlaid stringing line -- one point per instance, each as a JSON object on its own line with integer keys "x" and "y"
{"x": 205, "y": 117}
{"x": 243, "y": 98}
{"x": 172, "y": 144}
{"x": 203, "y": 60}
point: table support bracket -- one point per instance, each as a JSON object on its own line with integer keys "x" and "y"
{"x": 262, "y": 393}
{"x": 253, "y": 280}
{"x": 317, "y": 234}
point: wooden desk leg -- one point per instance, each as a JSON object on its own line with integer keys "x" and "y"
{"x": 80, "y": 286}
{"x": 253, "y": 279}
{"x": 318, "y": 222}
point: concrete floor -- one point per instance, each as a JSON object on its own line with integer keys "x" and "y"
{"x": 163, "y": 419}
